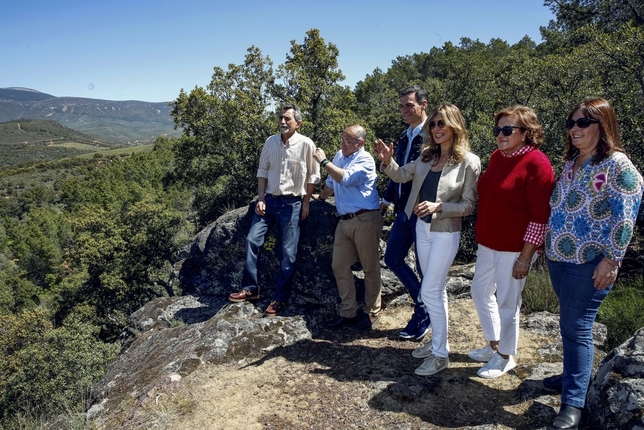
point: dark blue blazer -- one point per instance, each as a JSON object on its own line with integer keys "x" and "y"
{"x": 391, "y": 193}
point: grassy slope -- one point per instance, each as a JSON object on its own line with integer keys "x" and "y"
{"x": 51, "y": 154}
{"x": 27, "y": 141}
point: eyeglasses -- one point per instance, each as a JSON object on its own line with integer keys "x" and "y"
{"x": 439, "y": 124}
{"x": 581, "y": 122}
{"x": 507, "y": 130}
{"x": 349, "y": 140}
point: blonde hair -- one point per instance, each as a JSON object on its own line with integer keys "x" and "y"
{"x": 452, "y": 118}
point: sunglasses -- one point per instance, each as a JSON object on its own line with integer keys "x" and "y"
{"x": 581, "y": 122}
{"x": 507, "y": 130}
{"x": 439, "y": 124}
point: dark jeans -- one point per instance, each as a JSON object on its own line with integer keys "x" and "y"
{"x": 401, "y": 238}
{"x": 285, "y": 212}
{"x": 579, "y": 302}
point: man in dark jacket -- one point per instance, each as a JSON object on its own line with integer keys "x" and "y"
{"x": 413, "y": 107}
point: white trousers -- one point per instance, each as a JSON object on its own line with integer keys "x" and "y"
{"x": 436, "y": 252}
{"x": 499, "y": 315}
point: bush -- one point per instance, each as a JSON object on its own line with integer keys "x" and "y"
{"x": 44, "y": 370}
{"x": 621, "y": 311}
{"x": 538, "y": 295}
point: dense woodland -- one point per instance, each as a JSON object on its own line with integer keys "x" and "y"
{"x": 84, "y": 242}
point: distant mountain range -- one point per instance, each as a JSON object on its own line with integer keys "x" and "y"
{"x": 127, "y": 122}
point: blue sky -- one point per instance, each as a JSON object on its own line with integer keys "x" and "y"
{"x": 150, "y": 49}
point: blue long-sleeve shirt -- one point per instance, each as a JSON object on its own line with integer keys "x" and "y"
{"x": 357, "y": 190}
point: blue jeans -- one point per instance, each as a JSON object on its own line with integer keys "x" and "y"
{"x": 401, "y": 237}
{"x": 579, "y": 302}
{"x": 285, "y": 212}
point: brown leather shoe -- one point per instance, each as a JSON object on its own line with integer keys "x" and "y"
{"x": 243, "y": 295}
{"x": 275, "y": 308}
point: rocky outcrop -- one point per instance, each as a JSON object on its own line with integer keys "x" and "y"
{"x": 171, "y": 337}
{"x": 213, "y": 263}
{"x": 616, "y": 395}
{"x": 161, "y": 347}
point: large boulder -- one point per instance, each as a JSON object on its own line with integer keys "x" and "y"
{"x": 169, "y": 337}
{"x": 162, "y": 348}
{"x": 213, "y": 263}
{"x": 616, "y": 396}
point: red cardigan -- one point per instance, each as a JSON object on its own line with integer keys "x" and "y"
{"x": 513, "y": 191}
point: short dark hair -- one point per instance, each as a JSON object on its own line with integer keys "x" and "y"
{"x": 419, "y": 92}
{"x": 297, "y": 113}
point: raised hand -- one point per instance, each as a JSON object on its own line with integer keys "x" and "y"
{"x": 383, "y": 151}
{"x": 319, "y": 154}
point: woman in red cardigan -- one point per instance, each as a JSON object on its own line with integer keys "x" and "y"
{"x": 514, "y": 194}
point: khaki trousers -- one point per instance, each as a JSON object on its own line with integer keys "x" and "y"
{"x": 358, "y": 238}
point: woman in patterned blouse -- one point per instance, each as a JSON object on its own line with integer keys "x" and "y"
{"x": 593, "y": 211}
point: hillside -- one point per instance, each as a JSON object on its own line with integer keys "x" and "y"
{"x": 35, "y": 131}
{"x": 28, "y": 140}
{"x": 126, "y": 122}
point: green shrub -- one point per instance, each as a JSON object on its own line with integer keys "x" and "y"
{"x": 44, "y": 370}
{"x": 622, "y": 311}
{"x": 538, "y": 295}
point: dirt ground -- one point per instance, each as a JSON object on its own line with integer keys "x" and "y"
{"x": 345, "y": 380}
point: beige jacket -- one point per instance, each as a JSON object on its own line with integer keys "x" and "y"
{"x": 456, "y": 189}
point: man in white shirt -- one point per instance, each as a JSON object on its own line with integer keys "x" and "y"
{"x": 286, "y": 178}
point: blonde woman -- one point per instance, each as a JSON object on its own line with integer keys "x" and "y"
{"x": 444, "y": 180}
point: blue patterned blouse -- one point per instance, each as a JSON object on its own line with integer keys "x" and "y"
{"x": 594, "y": 212}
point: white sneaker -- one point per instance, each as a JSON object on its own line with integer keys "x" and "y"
{"x": 496, "y": 367}
{"x": 483, "y": 354}
{"x": 432, "y": 365}
{"x": 423, "y": 352}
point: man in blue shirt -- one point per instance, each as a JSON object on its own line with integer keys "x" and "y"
{"x": 413, "y": 107}
{"x": 352, "y": 179}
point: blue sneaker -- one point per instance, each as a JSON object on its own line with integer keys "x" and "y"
{"x": 410, "y": 329}
{"x": 423, "y": 328}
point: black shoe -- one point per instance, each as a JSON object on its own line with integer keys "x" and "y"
{"x": 423, "y": 328}
{"x": 553, "y": 383}
{"x": 410, "y": 329}
{"x": 363, "y": 324}
{"x": 341, "y": 322}
{"x": 568, "y": 417}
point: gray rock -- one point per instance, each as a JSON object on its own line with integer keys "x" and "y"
{"x": 235, "y": 334}
{"x": 531, "y": 387}
{"x": 409, "y": 388}
{"x": 543, "y": 323}
{"x": 457, "y": 286}
{"x": 547, "y": 324}
{"x": 213, "y": 263}
{"x": 616, "y": 396}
